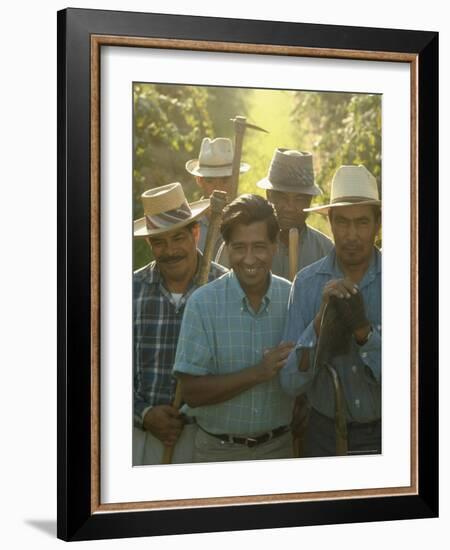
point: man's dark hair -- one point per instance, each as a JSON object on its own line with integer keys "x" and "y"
{"x": 191, "y": 225}
{"x": 247, "y": 209}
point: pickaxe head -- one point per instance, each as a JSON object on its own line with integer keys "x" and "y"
{"x": 241, "y": 124}
{"x": 217, "y": 201}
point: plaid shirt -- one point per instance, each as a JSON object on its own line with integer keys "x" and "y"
{"x": 156, "y": 325}
{"x": 222, "y": 334}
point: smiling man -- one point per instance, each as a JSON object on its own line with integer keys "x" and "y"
{"x": 160, "y": 292}
{"x": 230, "y": 349}
{"x": 290, "y": 187}
{"x": 348, "y": 279}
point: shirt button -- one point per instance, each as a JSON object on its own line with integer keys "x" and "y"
{"x": 357, "y": 403}
{"x": 354, "y": 369}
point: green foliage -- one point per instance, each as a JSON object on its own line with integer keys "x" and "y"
{"x": 170, "y": 122}
{"x": 343, "y": 128}
{"x": 271, "y": 110}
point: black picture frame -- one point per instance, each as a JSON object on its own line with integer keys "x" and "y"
{"x": 77, "y": 515}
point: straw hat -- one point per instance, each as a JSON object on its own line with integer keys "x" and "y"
{"x": 291, "y": 172}
{"x": 351, "y": 185}
{"x": 215, "y": 159}
{"x": 166, "y": 209}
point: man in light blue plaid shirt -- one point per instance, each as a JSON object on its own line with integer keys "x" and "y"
{"x": 230, "y": 348}
{"x": 160, "y": 292}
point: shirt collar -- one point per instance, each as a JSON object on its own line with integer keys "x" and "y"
{"x": 330, "y": 266}
{"x": 242, "y": 296}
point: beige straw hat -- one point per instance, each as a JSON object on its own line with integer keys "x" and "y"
{"x": 166, "y": 209}
{"x": 351, "y": 185}
{"x": 215, "y": 159}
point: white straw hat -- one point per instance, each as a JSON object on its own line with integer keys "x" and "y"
{"x": 351, "y": 185}
{"x": 215, "y": 159}
{"x": 166, "y": 209}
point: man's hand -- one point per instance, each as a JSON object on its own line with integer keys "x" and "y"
{"x": 273, "y": 360}
{"x": 350, "y": 306}
{"x": 164, "y": 422}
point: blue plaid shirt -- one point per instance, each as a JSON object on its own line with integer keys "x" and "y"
{"x": 156, "y": 325}
{"x": 222, "y": 334}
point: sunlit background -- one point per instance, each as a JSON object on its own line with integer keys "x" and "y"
{"x": 170, "y": 122}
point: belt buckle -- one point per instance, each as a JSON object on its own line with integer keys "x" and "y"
{"x": 251, "y": 442}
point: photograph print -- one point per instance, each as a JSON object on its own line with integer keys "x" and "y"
{"x": 256, "y": 274}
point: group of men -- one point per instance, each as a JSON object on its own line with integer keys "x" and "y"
{"x": 258, "y": 360}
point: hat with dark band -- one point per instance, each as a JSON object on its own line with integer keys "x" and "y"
{"x": 166, "y": 209}
{"x": 291, "y": 172}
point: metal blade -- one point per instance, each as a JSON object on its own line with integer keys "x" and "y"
{"x": 239, "y": 120}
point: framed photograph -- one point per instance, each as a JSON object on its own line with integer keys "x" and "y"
{"x": 128, "y": 83}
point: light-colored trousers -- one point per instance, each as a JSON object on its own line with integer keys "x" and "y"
{"x": 211, "y": 449}
{"x": 147, "y": 449}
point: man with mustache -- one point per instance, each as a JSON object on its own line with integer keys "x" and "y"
{"x": 160, "y": 292}
{"x": 230, "y": 348}
{"x": 349, "y": 280}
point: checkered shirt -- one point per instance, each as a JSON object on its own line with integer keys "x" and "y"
{"x": 156, "y": 325}
{"x": 222, "y": 334}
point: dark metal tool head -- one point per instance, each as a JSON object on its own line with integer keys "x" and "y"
{"x": 241, "y": 123}
{"x": 218, "y": 201}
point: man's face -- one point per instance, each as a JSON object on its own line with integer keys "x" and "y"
{"x": 209, "y": 185}
{"x": 289, "y": 208}
{"x": 175, "y": 253}
{"x": 250, "y": 254}
{"x": 354, "y": 230}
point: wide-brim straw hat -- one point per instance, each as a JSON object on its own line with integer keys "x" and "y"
{"x": 166, "y": 209}
{"x": 291, "y": 171}
{"x": 351, "y": 185}
{"x": 215, "y": 159}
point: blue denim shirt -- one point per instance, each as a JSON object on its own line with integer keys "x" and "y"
{"x": 360, "y": 369}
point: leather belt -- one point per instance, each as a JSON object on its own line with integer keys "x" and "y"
{"x": 251, "y": 441}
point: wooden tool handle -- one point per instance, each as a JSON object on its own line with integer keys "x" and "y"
{"x": 293, "y": 252}
{"x": 168, "y": 451}
{"x": 218, "y": 201}
{"x": 239, "y": 128}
